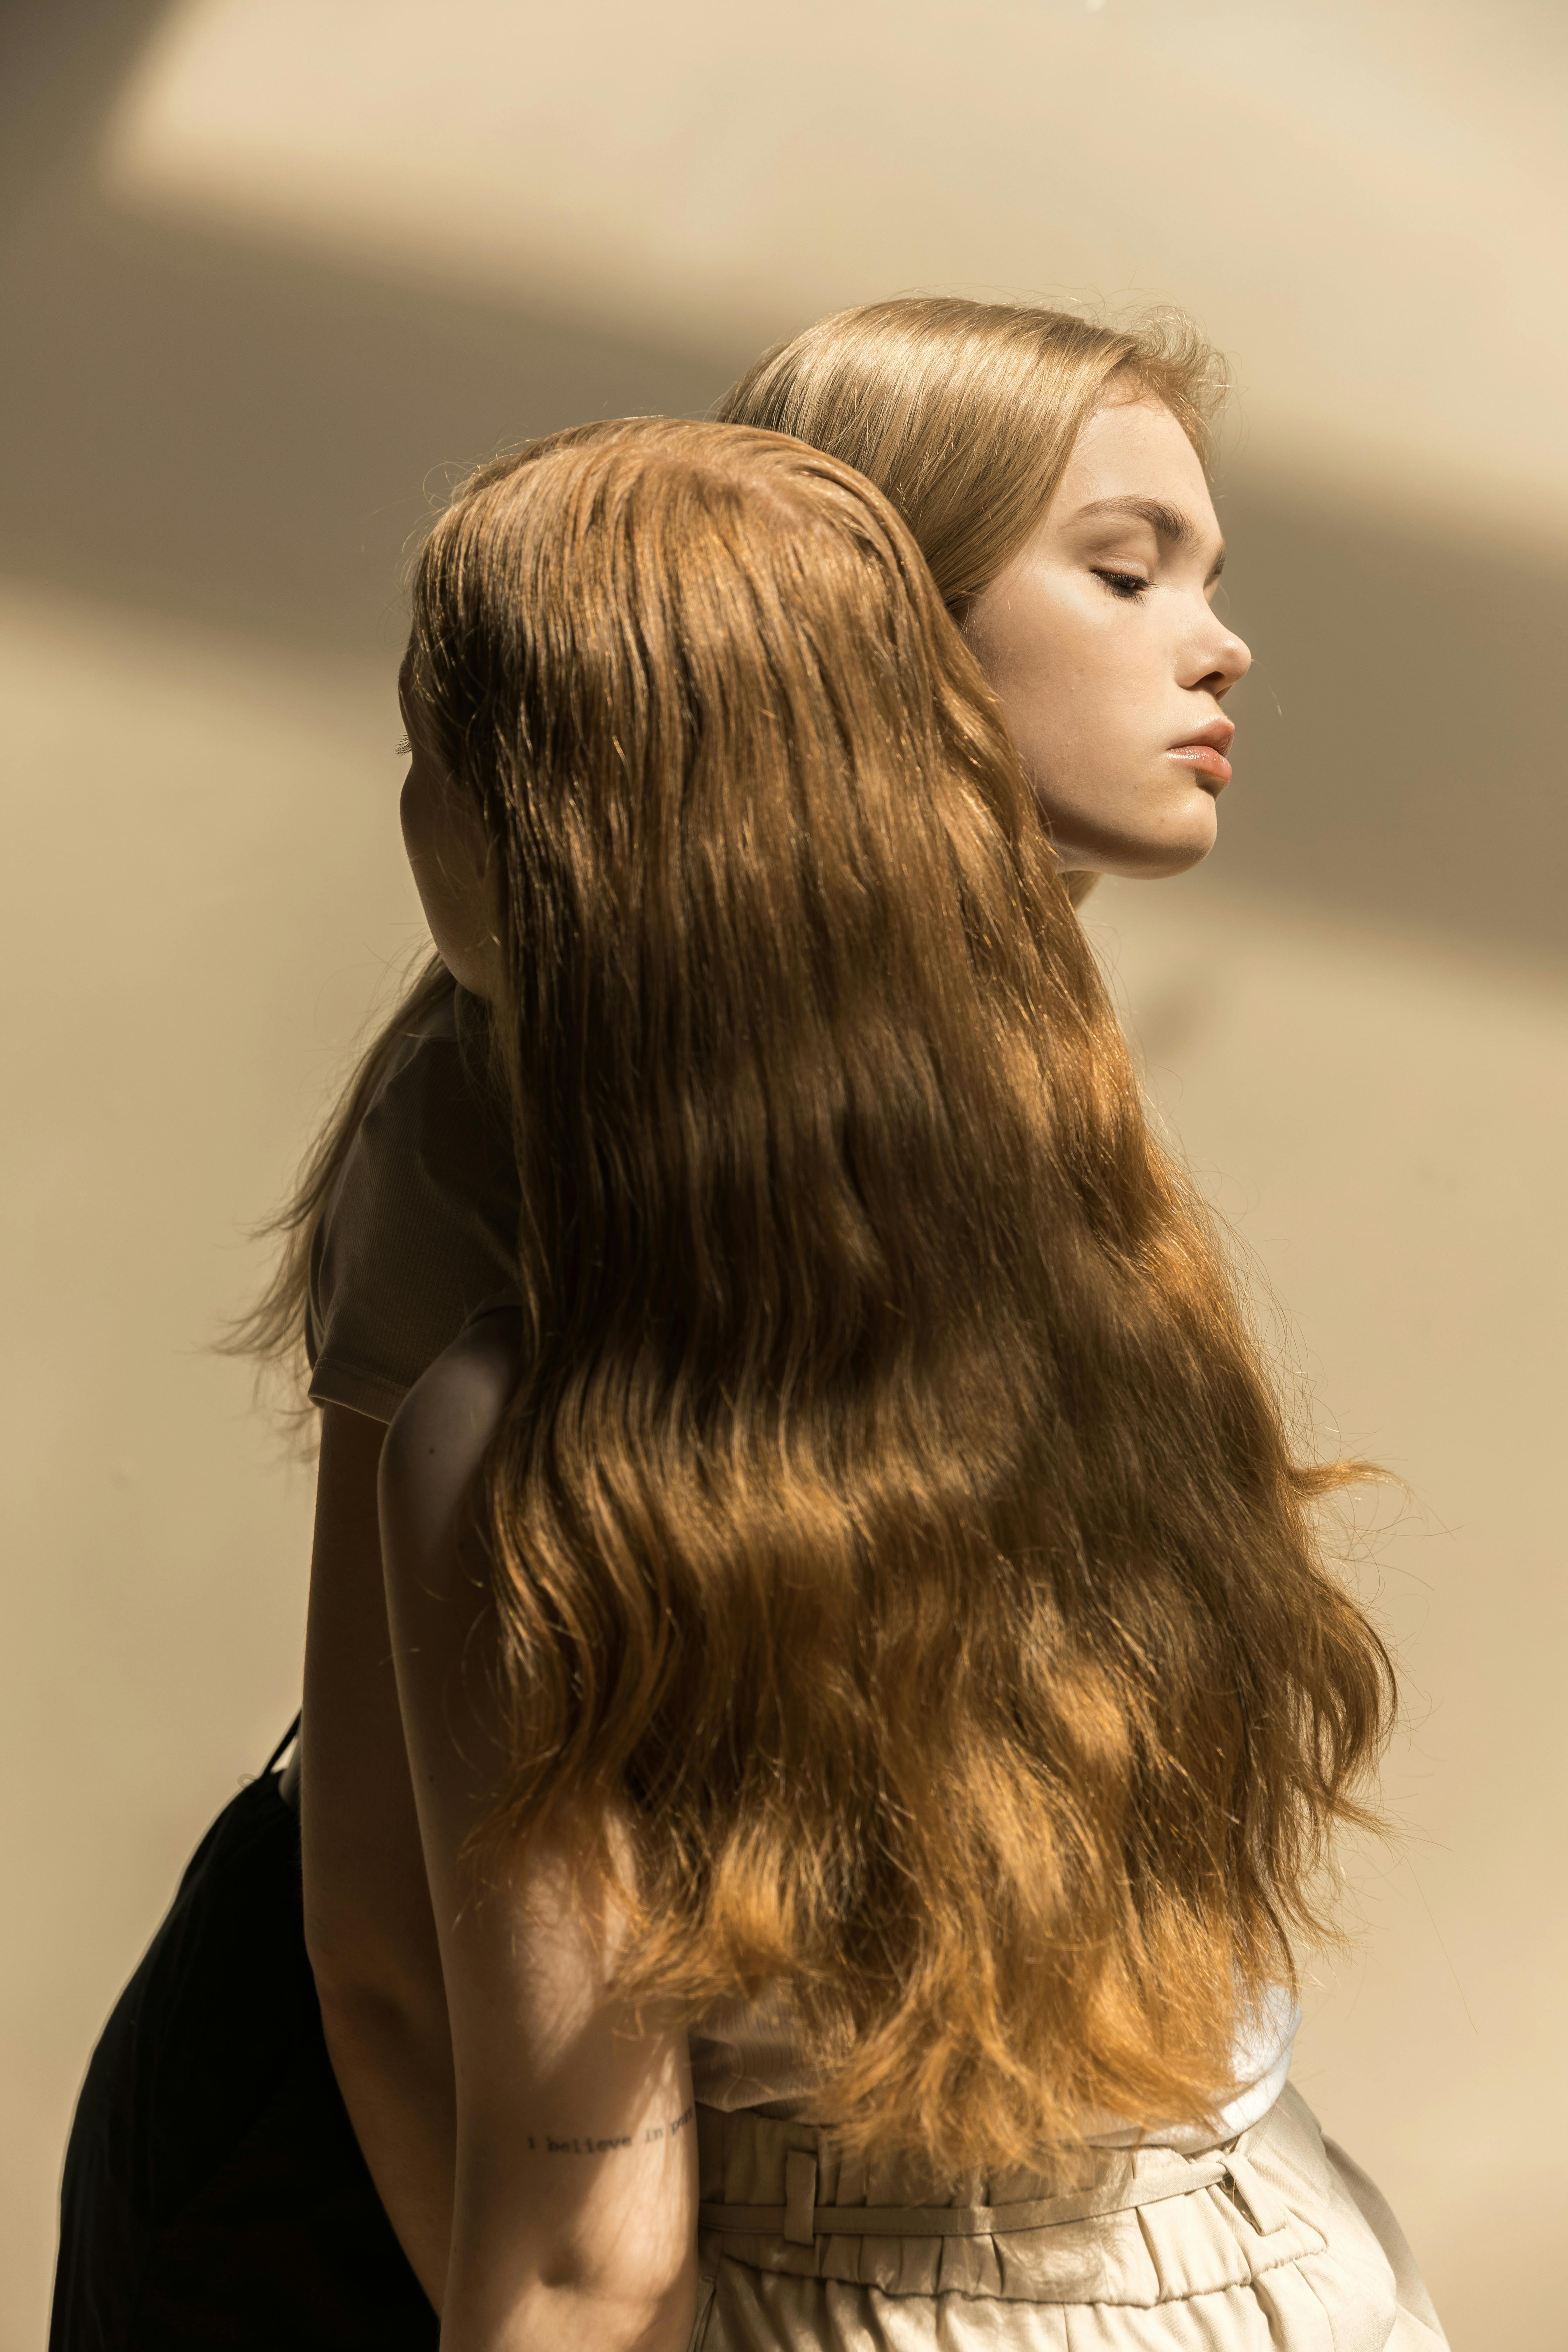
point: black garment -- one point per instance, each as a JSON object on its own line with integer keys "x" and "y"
{"x": 215, "y": 2196}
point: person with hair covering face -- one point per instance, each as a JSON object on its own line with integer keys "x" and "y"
{"x": 818, "y": 1859}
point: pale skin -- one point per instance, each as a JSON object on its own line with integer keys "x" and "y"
{"x": 1100, "y": 640}
{"x": 469, "y": 2028}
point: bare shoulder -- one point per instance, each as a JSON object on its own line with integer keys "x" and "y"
{"x": 438, "y": 1437}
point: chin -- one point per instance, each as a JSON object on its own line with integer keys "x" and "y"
{"x": 1180, "y": 845}
{"x": 1146, "y": 861}
{"x": 1168, "y": 862}
{"x": 473, "y": 973}
{"x": 1151, "y": 845}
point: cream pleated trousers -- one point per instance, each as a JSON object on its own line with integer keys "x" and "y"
{"x": 1279, "y": 2243}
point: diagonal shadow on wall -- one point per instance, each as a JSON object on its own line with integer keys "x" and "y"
{"x": 1402, "y": 745}
{"x": 212, "y": 428}
{"x": 222, "y": 431}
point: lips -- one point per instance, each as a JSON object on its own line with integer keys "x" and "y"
{"x": 1204, "y": 752}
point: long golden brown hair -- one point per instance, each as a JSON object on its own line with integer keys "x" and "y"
{"x": 964, "y": 415}
{"x": 894, "y": 1522}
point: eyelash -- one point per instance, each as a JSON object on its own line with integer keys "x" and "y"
{"x": 403, "y": 751}
{"x": 1125, "y": 584}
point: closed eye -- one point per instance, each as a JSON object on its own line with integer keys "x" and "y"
{"x": 1128, "y": 585}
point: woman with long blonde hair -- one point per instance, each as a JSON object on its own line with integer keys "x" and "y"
{"x": 859, "y": 1619}
{"x": 890, "y": 1661}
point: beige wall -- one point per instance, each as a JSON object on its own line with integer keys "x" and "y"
{"x": 218, "y": 436}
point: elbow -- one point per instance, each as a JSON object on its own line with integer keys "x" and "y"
{"x": 380, "y": 2032}
{"x": 355, "y": 2005}
{"x": 562, "y": 2305}
{"x": 366, "y": 1986}
{"x": 634, "y": 2285}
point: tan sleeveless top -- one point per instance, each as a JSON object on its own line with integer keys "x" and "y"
{"x": 421, "y": 1227}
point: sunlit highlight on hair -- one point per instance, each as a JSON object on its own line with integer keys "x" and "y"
{"x": 895, "y": 1523}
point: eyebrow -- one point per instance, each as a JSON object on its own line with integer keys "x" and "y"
{"x": 1169, "y": 522}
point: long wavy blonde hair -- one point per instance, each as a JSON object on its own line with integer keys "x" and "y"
{"x": 894, "y": 1520}
{"x": 964, "y": 415}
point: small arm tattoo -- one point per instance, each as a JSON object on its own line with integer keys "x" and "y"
{"x": 669, "y": 2131}
{"x": 545, "y": 2144}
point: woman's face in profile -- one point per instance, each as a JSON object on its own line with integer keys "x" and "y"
{"x": 1099, "y": 642}
{"x": 1108, "y": 662}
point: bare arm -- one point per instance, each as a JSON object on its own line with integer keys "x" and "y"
{"x": 369, "y": 1927}
{"x": 574, "y": 2228}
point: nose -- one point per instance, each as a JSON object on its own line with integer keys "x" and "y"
{"x": 1219, "y": 662}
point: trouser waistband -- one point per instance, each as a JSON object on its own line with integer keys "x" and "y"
{"x": 800, "y": 2219}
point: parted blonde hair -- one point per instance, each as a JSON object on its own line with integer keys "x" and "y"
{"x": 965, "y": 414}
{"x": 894, "y": 1522}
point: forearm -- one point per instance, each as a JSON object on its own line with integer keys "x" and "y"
{"x": 395, "y": 2076}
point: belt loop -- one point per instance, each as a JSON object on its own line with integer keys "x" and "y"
{"x": 800, "y": 2197}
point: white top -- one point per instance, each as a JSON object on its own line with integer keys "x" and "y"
{"x": 744, "y": 2056}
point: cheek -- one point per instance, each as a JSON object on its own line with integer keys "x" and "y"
{"x": 408, "y": 814}
{"x": 1066, "y": 674}
{"x": 438, "y": 855}
{"x": 418, "y": 810}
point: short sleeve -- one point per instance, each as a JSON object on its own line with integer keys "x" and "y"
{"x": 421, "y": 1226}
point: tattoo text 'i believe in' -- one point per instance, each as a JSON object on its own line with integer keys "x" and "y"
{"x": 547, "y": 2146}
